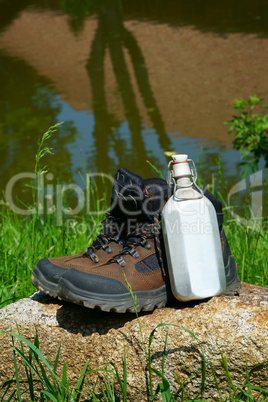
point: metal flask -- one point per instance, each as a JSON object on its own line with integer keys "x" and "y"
{"x": 191, "y": 237}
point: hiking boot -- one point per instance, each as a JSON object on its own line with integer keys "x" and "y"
{"x": 233, "y": 283}
{"x": 139, "y": 265}
{"x": 126, "y": 188}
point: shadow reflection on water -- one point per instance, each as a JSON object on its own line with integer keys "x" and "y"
{"x": 111, "y": 34}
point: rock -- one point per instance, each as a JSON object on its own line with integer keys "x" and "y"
{"x": 234, "y": 326}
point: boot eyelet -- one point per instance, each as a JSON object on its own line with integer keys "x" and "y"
{"x": 94, "y": 257}
{"x": 120, "y": 261}
{"x": 146, "y": 245}
{"x": 134, "y": 253}
{"x": 107, "y": 249}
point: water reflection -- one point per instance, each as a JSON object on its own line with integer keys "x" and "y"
{"x": 11, "y": 10}
{"x": 190, "y": 93}
{"x": 112, "y": 34}
{"x": 25, "y": 114}
{"x": 221, "y": 17}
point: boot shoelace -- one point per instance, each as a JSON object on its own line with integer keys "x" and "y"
{"x": 111, "y": 225}
{"x": 138, "y": 237}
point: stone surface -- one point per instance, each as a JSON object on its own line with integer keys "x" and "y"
{"x": 235, "y": 326}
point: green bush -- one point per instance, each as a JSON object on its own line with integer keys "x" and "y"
{"x": 250, "y": 132}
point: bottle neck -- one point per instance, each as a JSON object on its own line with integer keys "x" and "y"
{"x": 183, "y": 181}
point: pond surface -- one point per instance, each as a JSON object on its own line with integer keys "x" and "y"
{"x": 129, "y": 79}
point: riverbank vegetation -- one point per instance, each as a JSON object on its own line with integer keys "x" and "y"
{"x": 250, "y": 129}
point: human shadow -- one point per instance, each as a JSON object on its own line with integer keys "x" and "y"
{"x": 112, "y": 36}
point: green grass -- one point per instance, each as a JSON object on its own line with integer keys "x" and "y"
{"x": 250, "y": 249}
{"x": 25, "y": 240}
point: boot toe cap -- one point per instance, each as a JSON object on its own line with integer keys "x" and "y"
{"x": 49, "y": 269}
{"x": 94, "y": 283}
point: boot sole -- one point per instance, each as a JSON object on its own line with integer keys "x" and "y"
{"x": 41, "y": 283}
{"x": 121, "y": 303}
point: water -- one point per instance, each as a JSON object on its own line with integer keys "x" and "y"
{"x": 130, "y": 81}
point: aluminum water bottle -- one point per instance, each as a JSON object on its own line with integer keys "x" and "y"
{"x": 191, "y": 237}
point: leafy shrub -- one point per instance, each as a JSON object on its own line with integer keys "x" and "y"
{"x": 250, "y": 132}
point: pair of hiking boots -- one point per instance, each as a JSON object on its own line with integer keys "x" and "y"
{"x": 128, "y": 252}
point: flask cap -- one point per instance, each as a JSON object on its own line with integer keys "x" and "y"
{"x": 179, "y": 158}
{"x": 180, "y": 166}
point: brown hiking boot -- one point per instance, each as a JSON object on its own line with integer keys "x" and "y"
{"x": 139, "y": 265}
{"x": 47, "y": 272}
{"x": 127, "y": 186}
{"x": 106, "y": 287}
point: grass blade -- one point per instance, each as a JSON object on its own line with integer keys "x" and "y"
{"x": 50, "y": 396}
{"x": 125, "y": 377}
{"x": 36, "y": 351}
{"x": 164, "y": 387}
{"x": 16, "y": 370}
{"x": 149, "y": 365}
{"x": 79, "y": 385}
{"x": 57, "y": 359}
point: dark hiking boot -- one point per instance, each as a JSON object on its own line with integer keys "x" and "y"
{"x": 233, "y": 283}
{"x": 126, "y": 188}
{"x": 139, "y": 265}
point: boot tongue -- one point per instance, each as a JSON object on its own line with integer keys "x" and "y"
{"x": 136, "y": 198}
{"x": 157, "y": 192}
{"x": 127, "y": 195}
